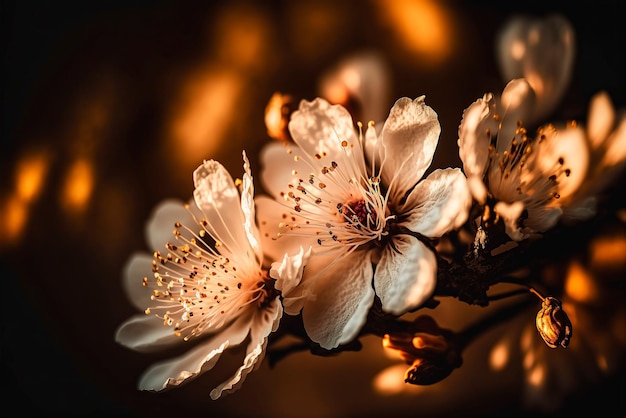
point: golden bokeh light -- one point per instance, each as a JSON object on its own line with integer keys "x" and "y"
{"x": 203, "y": 115}
{"x": 78, "y": 186}
{"x": 423, "y": 26}
{"x": 518, "y": 49}
{"x": 317, "y": 27}
{"x": 31, "y": 174}
{"x": 30, "y": 177}
{"x": 580, "y": 285}
{"x": 13, "y": 216}
{"x": 243, "y": 36}
{"x": 536, "y": 375}
{"x": 499, "y": 356}
{"x": 390, "y": 381}
{"x": 609, "y": 252}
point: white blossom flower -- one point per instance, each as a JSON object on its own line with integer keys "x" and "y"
{"x": 358, "y": 201}
{"x": 604, "y": 137}
{"x": 520, "y": 176}
{"x": 208, "y": 284}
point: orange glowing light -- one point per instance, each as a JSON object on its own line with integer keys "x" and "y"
{"x": 31, "y": 172}
{"x": 277, "y": 113}
{"x": 609, "y": 252}
{"x": 424, "y": 26}
{"x": 580, "y": 285}
{"x": 499, "y": 356}
{"x": 78, "y": 185}
{"x": 13, "y": 216}
{"x": 243, "y": 37}
{"x": 390, "y": 381}
{"x": 602, "y": 363}
{"x": 203, "y": 115}
{"x": 536, "y": 376}
{"x": 518, "y": 49}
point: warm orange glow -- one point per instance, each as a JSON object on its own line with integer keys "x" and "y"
{"x": 580, "y": 285}
{"x": 277, "y": 116}
{"x": 499, "y": 355}
{"x": 315, "y": 26}
{"x": 243, "y": 37}
{"x": 602, "y": 363}
{"x": 31, "y": 172}
{"x": 390, "y": 352}
{"x": 419, "y": 343}
{"x": 424, "y": 27}
{"x": 529, "y": 336}
{"x": 536, "y": 375}
{"x": 609, "y": 252}
{"x": 537, "y": 82}
{"x": 391, "y": 381}
{"x": 518, "y": 49}
{"x": 13, "y": 216}
{"x": 78, "y": 185}
{"x": 205, "y": 111}
{"x": 386, "y": 341}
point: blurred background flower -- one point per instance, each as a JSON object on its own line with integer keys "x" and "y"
{"x": 108, "y": 106}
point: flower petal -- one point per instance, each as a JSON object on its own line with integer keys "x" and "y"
{"x": 475, "y": 130}
{"x": 277, "y": 166}
{"x": 615, "y": 155}
{"x": 217, "y": 197}
{"x": 341, "y": 296}
{"x": 541, "y": 218}
{"x": 410, "y": 135}
{"x": 288, "y": 272}
{"x": 247, "y": 207}
{"x": 160, "y": 225}
{"x": 138, "y": 266}
{"x": 515, "y": 104}
{"x": 265, "y": 322}
{"x": 510, "y": 214}
{"x": 146, "y": 333}
{"x": 438, "y": 203}
{"x": 406, "y": 275}
{"x": 568, "y": 145}
{"x": 319, "y": 128}
{"x": 201, "y": 358}
{"x": 600, "y": 119}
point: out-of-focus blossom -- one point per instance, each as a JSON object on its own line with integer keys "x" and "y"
{"x": 604, "y": 137}
{"x": 542, "y": 51}
{"x": 210, "y": 285}
{"x": 521, "y": 177}
{"x": 361, "y": 83}
{"x": 357, "y": 200}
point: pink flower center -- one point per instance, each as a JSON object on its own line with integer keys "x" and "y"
{"x": 359, "y": 213}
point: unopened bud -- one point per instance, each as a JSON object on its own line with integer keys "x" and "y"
{"x": 553, "y": 323}
{"x": 430, "y": 350}
{"x": 277, "y": 114}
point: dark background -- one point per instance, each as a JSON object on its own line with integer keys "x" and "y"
{"x": 97, "y": 79}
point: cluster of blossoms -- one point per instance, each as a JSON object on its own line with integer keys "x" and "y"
{"x": 346, "y": 235}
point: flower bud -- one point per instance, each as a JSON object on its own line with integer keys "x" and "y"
{"x": 277, "y": 114}
{"x": 553, "y": 323}
{"x": 430, "y": 350}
